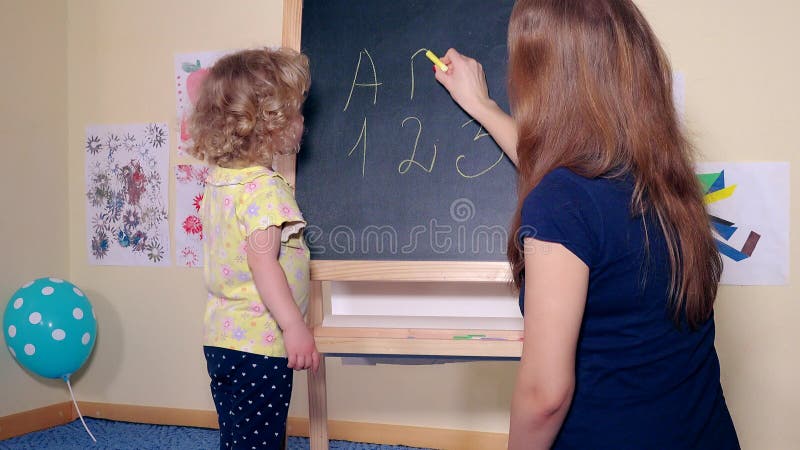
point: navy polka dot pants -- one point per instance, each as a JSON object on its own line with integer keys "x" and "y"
{"x": 251, "y": 393}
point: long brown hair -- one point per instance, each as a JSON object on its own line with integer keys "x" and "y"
{"x": 591, "y": 91}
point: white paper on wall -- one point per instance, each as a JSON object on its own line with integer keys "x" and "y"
{"x": 679, "y": 94}
{"x": 126, "y": 194}
{"x": 190, "y": 180}
{"x": 190, "y": 70}
{"x": 749, "y": 205}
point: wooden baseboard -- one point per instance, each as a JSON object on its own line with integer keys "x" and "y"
{"x": 377, "y": 433}
{"x": 150, "y": 414}
{"x": 35, "y": 420}
{"x": 59, "y": 414}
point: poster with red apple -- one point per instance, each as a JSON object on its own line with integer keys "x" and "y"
{"x": 190, "y": 70}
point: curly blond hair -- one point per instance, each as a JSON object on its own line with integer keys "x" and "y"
{"x": 249, "y": 108}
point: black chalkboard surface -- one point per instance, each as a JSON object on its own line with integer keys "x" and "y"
{"x": 390, "y": 167}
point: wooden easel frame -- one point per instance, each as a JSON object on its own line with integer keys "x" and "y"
{"x": 385, "y": 341}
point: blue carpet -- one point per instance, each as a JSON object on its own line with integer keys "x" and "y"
{"x": 124, "y": 436}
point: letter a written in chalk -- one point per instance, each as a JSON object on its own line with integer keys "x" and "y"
{"x": 372, "y": 82}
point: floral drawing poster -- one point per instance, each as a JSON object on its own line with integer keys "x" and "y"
{"x": 127, "y": 194}
{"x": 190, "y": 180}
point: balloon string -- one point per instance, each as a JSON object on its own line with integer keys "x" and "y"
{"x": 78, "y": 409}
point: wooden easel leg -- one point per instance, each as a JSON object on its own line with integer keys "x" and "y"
{"x": 318, "y": 408}
{"x": 317, "y": 392}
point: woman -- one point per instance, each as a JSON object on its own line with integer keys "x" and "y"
{"x": 613, "y": 256}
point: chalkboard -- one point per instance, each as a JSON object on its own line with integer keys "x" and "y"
{"x": 390, "y": 167}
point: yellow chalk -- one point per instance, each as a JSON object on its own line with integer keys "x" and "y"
{"x": 442, "y": 66}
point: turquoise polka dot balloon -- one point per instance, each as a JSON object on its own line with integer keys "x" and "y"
{"x": 50, "y": 327}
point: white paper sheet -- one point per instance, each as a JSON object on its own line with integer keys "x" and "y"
{"x": 751, "y": 205}
{"x": 190, "y": 70}
{"x": 190, "y": 179}
{"x": 126, "y": 194}
{"x": 679, "y": 94}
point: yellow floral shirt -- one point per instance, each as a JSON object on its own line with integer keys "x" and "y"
{"x": 236, "y": 203}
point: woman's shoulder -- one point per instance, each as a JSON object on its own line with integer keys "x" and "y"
{"x": 565, "y": 193}
{"x": 565, "y": 178}
{"x": 562, "y": 209}
{"x": 563, "y": 184}
{"x": 560, "y": 185}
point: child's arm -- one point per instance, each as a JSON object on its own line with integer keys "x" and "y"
{"x": 263, "y": 247}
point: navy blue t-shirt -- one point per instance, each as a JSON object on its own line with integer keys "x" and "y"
{"x": 641, "y": 381}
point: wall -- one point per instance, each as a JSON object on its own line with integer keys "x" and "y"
{"x": 33, "y": 139}
{"x": 740, "y": 69}
{"x": 121, "y": 67}
{"x": 148, "y": 347}
{"x": 741, "y": 103}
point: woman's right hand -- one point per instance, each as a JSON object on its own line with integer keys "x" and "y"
{"x": 465, "y": 81}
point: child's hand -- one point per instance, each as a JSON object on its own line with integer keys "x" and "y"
{"x": 300, "y": 348}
